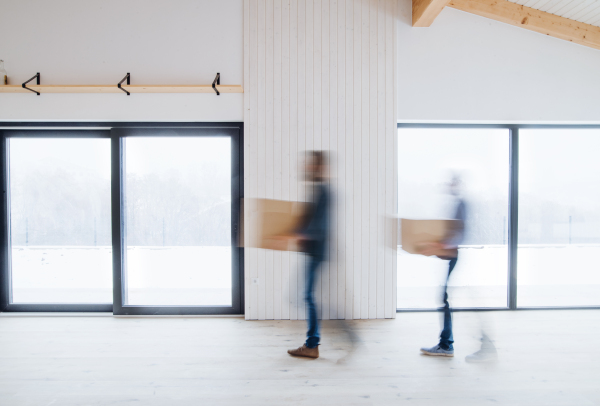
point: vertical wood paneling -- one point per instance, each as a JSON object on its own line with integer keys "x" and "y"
{"x": 357, "y": 196}
{"x": 320, "y": 74}
{"x": 365, "y": 138}
{"x": 373, "y": 157}
{"x": 338, "y": 305}
{"x": 251, "y": 155}
{"x": 261, "y": 141}
{"x": 396, "y": 16}
{"x": 381, "y": 157}
{"x": 247, "y": 147}
{"x": 317, "y": 123}
{"x": 390, "y": 125}
{"x": 277, "y": 148}
{"x": 329, "y": 267}
{"x": 330, "y": 7}
{"x": 269, "y": 151}
{"x": 285, "y": 146}
{"x": 346, "y": 126}
{"x": 302, "y": 136}
{"x": 294, "y": 124}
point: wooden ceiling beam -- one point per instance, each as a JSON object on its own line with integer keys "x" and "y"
{"x": 531, "y": 19}
{"x": 425, "y": 11}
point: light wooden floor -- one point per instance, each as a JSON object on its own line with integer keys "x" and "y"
{"x": 545, "y": 358}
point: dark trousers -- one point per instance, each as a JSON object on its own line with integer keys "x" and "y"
{"x": 446, "y": 338}
{"x": 312, "y": 335}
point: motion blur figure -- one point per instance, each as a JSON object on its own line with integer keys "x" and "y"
{"x": 313, "y": 236}
{"x": 455, "y": 237}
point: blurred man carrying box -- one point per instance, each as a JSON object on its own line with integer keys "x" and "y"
{"x": 427, "y": 237}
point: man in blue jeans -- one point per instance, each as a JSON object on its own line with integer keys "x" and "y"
{"x": 313, "y": 236}
{"x": 450, "y": 249}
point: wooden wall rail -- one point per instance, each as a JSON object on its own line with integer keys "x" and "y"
{"x": 114, "y": 89}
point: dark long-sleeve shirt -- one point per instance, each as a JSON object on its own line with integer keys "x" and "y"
{"x": 457, "y": 235}
{"x": 316, "y": 226}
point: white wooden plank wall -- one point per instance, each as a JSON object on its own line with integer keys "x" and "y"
{"x": 321, "y": 74}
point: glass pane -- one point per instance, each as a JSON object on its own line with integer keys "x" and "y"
{"x": 559, "y": 220}
{"x": 178, "y": 199}
{"x": 428, "y": 160}
{"x": 60, "y": 220}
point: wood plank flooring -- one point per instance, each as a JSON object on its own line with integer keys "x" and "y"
{"x": 545, "y": 358}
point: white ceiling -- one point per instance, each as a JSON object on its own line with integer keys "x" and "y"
{"x": 585, "y": 11}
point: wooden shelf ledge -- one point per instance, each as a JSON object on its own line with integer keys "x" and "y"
{"x": 130, "y": 88}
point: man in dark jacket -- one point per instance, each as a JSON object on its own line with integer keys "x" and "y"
{"x": 313, "y": 236}
{"x": 455, "y": 237}
{"x": 450, "y": 245}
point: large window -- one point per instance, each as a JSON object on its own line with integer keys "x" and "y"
{"x": 60, "y": 220}
{"x": 133, "y": 220}
{"x": 559, "y": 217}
{"x": 178, "y": 202}
{"x": 532, "y": 218}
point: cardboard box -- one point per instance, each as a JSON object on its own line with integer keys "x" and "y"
{"x": 267, "y": 220}
{"x": 416, "y": 234}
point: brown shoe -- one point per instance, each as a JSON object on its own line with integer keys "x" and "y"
{"x": 304, "y": 351}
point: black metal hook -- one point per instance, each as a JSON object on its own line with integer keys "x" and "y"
{"x": 218, "y": 82}
{"x": 128, "y": 77}
{"x": 37, "y": 75}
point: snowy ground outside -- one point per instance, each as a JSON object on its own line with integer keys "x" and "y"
{"x": 167, "y": 276}
{"x": 549, "y": 275}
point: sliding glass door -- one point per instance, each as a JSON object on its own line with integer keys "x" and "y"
{"x": 176, "y": 193}
{"x": 532, "y": 220}
{"x": 559, "y": 217}
{"x": 59, "y": 219}
{"x": 129, "y": 220}
{"x": 178, "y": 221}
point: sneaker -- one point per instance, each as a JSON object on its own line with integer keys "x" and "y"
{"x": 482, "y": 356}
{"x": 304, "y": 351}
{"x": 487, "y": 353}
{"x": 437, "y": 351}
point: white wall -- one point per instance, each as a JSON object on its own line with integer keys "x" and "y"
{"x": 469, "y": 68}
{"x": 320, "y": 74}
{"x": 99, "y": 41}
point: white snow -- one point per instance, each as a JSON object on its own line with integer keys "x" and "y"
{"x": 155, "y": 275}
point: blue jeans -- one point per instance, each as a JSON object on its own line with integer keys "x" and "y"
{"x": 446, "y": 338}
{"x": 312, "y": 335}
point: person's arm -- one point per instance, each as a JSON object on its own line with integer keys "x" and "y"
{"x": 305, "y": 219}
{"x": 302, "y": 230}
{"x": 456, "y": 234}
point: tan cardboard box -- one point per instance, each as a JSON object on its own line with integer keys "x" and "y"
{"x": 268, "y": 219}
{"x": 417, "y": 234}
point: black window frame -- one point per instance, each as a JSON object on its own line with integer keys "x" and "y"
{"x": 513, "y": 209}
{"x": 116, "y": 132}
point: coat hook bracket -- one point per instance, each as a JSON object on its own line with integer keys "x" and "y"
{"x": 128, "y": 78}
{"x": 37, "y": 75}
{"x": 217, "y": 81}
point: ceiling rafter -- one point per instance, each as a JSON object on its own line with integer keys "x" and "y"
{"x": 532, "y": 19}
{"x": 425, "y": 11}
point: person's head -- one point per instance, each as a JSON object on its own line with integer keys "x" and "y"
{"x": 316, "y": 166}
{"x": 455, "y": 185}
